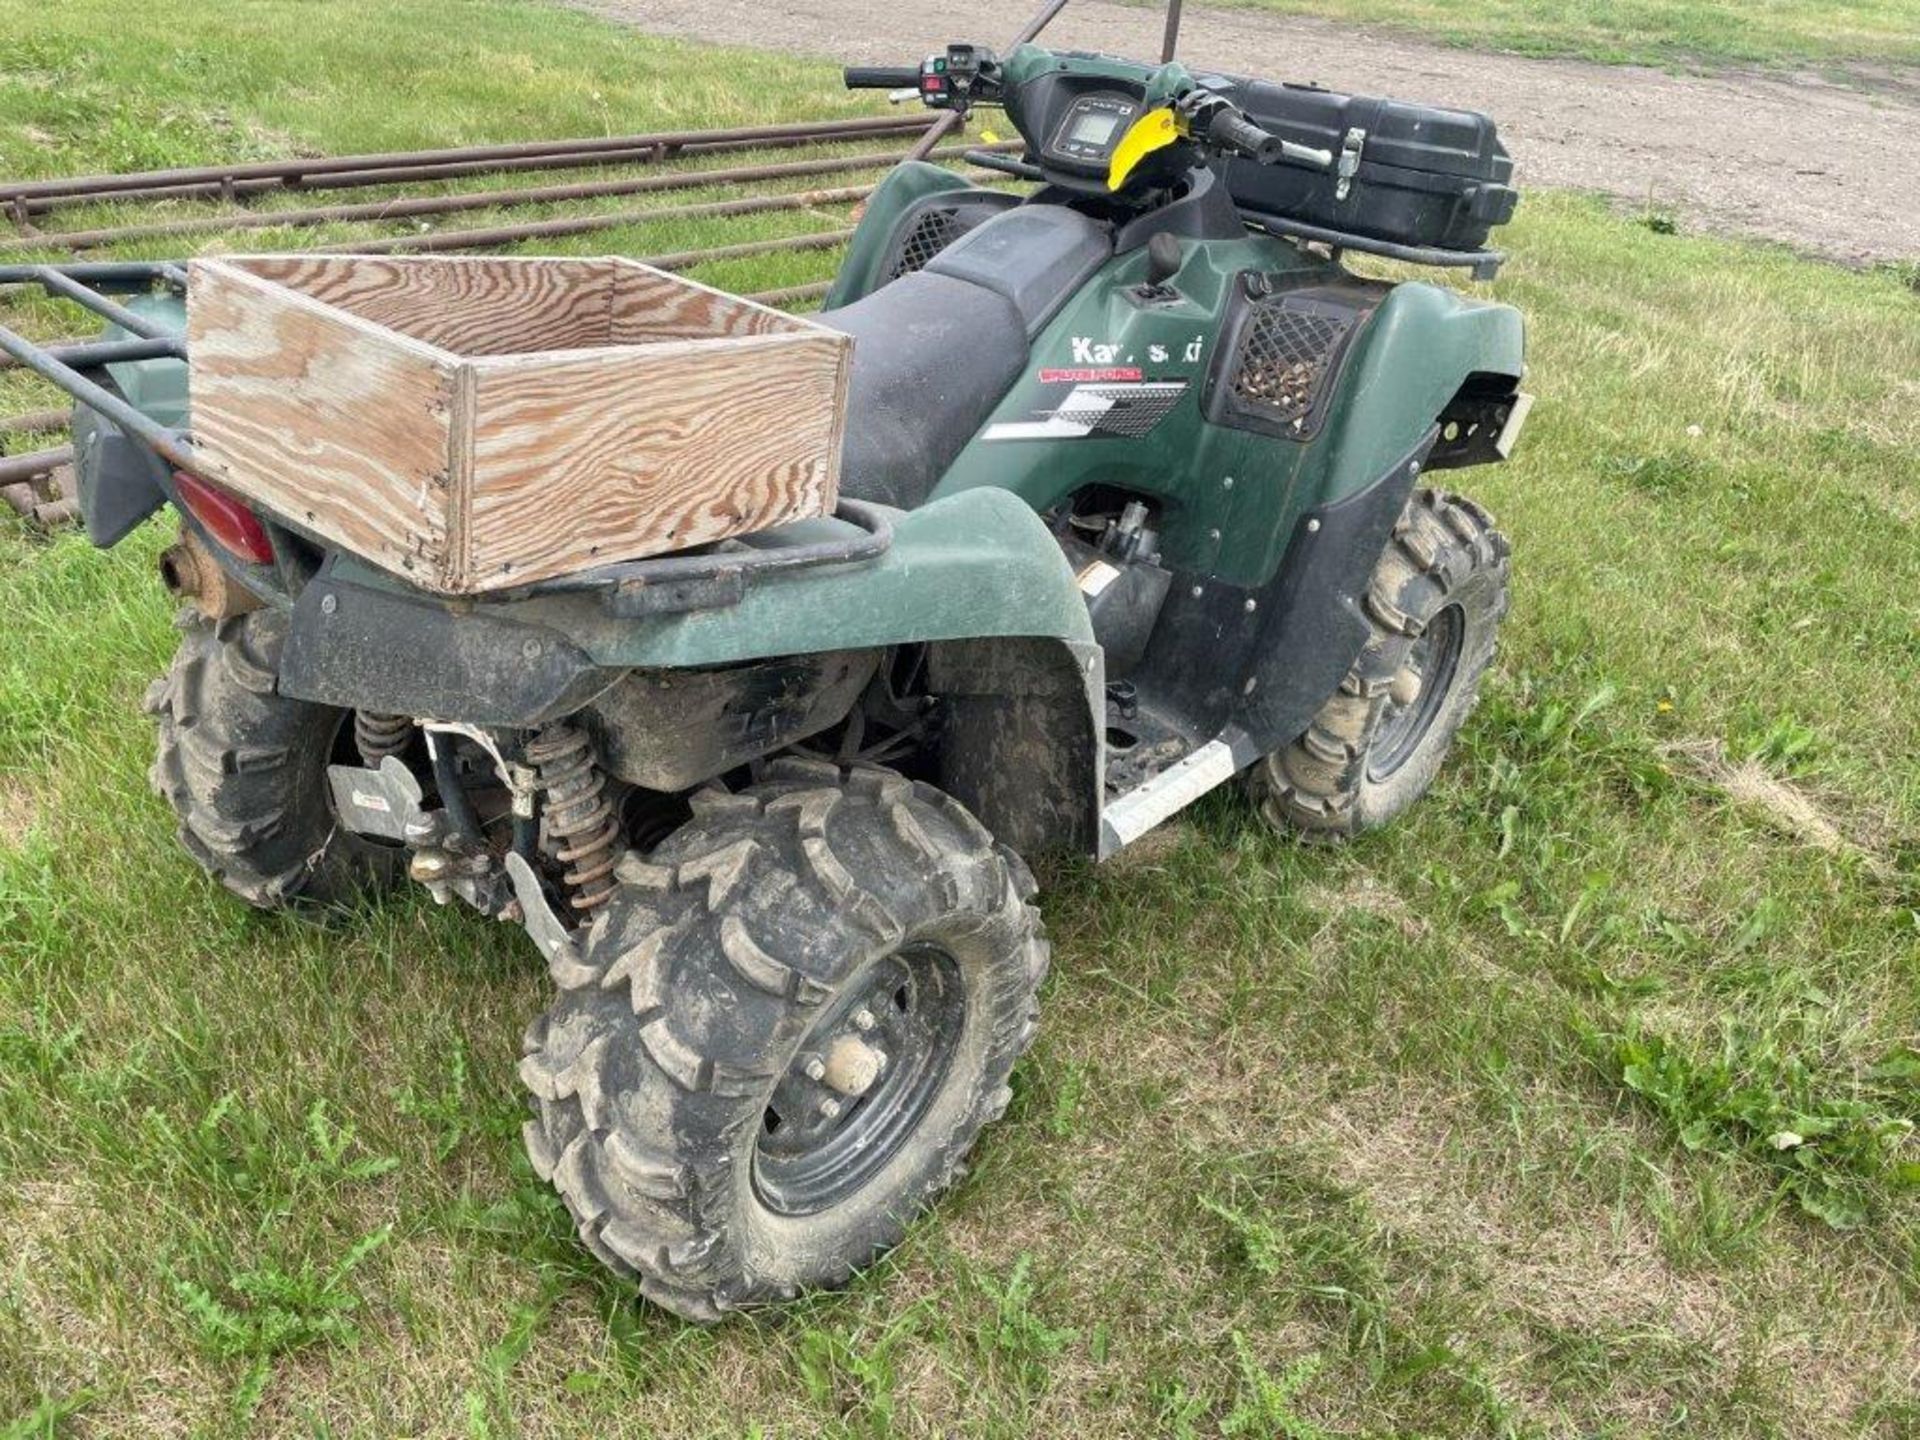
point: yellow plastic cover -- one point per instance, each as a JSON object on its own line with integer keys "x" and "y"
{"x": 1153, "y": 131}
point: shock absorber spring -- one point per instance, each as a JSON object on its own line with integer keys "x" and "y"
{"x": 580, "y": 822}
{"x": 376, "y": 736}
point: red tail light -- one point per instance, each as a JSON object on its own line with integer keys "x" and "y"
{"x": 233, "y": 525}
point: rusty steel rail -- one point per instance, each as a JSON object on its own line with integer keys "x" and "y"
{"x": 23, "y": 198}
{"x": 16, "y": 468}
{"x": 586, "y": 224}
{"x": 686, "y": 259}
{"x": 35, "y": 422}
{"x": 411, "y": 207}
{"x": 793, "y": 294}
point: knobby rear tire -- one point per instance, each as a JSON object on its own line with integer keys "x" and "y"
{"x": 244, "y": 768}
{"x": 654, "y": 1068}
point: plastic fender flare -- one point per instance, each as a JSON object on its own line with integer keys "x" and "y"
{"x": 974, "y": 565}
{"x": 1420, "y": 347}
{"x": 905, "y": 185}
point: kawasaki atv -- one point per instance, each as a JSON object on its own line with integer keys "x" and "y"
{"x": 1134, "y": 503}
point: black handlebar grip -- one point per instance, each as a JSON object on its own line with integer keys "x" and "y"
{"x": 1231, "y": 130}
{"x": 882, "y": 77}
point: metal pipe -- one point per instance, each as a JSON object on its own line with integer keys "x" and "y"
{"x": 123, "y": 277}
{"x": 411, "y": 206}
{"x": 15, "y": 468}
{"x": 228, "y": 178}
{"x": 682, "y": 259}
{"x": 584, "y": 224}
{"x": 92, "y": 354}
{"x": 791, "y": 294}
{"x": 68, "y": 288}
{"x": 432, "y": 174}
{"x": 36, "y": 422}
{"x": 168, "y": 444}
{"x": 1170, "y": 40}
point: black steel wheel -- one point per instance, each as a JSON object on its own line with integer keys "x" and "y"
{"x": 863, "y": 1080}
{"x": 783, "y": 1034}
{"x": 1418, "y": 693}
{"x": 1434, "y": 607}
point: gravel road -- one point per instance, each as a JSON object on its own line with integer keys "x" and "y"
{"x": 1829, "y": 169}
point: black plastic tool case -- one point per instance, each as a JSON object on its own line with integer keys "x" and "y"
{"x": 1409, "y": 174}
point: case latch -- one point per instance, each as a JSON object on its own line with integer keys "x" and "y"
{"x": 1350, "y": 148}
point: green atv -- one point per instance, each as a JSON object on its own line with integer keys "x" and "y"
{"x": 1134, "y": 503}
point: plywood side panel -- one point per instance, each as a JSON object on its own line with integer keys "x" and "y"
{"x": 651, "y": 305}
{"x": 470, "y": 305}
{"x": 334, "y": 424}
{"x": 684, "y": 445}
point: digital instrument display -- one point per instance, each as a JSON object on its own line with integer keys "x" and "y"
{"x": 1086, "y": 134}
{"x": 1095, "y": 129}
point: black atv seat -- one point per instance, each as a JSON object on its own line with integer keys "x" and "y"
{"x": 936, "y": 350}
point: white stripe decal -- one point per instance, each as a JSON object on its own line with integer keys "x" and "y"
{"x": 1086, "y": 405}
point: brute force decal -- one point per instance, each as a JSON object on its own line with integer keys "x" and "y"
{"x": 1124, "y": 410}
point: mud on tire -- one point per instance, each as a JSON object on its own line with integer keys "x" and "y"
{"x": 1434, "y": 607}
{"x": 658, "y": 1073}
{"x": 244, "y": 768}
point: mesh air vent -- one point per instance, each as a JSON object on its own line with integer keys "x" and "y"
{"x": 1284, "y": 357}
{"x": 935, "y": 229}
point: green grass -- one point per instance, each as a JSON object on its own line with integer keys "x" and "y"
{"x": 1483, "y": 1126}
{"x": 1832, "y": 34}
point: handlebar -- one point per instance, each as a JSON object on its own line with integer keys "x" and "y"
{"x": 1226, "y": 127}
{"x": 882, "y": 77}
{"x": 1231, "y": 130}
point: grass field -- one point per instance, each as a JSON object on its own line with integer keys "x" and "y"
{"x": 1581, "y": 1103}
{"x": 1822, "y": 34}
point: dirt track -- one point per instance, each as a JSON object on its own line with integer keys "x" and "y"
{"x": 1828, "y": 169}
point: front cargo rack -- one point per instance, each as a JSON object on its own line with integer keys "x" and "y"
{"x": 660, "y": 584}
{"x": 1484, "y": 264}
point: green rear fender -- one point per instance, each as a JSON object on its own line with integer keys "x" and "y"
{"x": 157, "y": 388}
{"x": 977, "y": 564}
{"x": 978, "y": 578}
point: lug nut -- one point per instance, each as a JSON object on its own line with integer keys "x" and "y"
{"x": 816, "y": 1068}
{"x": 863, "y": 1019}
{"x": 830, "y": 1108}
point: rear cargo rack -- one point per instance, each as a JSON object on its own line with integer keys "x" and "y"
{"x": 660, "y": 584}
{"x": 1484, "y": 264}
{"x": 665, "y": 584}
{"x": 92, "y": 287}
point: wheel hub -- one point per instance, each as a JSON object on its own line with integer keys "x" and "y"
{"x": 1417, "y": 691}
{"x": 860, "y": 1083}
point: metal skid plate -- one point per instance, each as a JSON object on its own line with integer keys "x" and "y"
{"x": 375, "y": 802}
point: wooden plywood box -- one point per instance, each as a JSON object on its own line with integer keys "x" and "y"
{"x": 480, "y": 423}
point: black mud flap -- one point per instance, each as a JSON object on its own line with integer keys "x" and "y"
{"x": 1315, "y": 626}
{"x": 359, "y": 648}
{"x": 120, "y": 479}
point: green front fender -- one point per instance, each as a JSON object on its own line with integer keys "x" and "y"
{"x": 860, "y": 271}
{"x": 979, "y": 564}
{"x": 156, "y": 388}
{"x": 1422, "y": 345}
